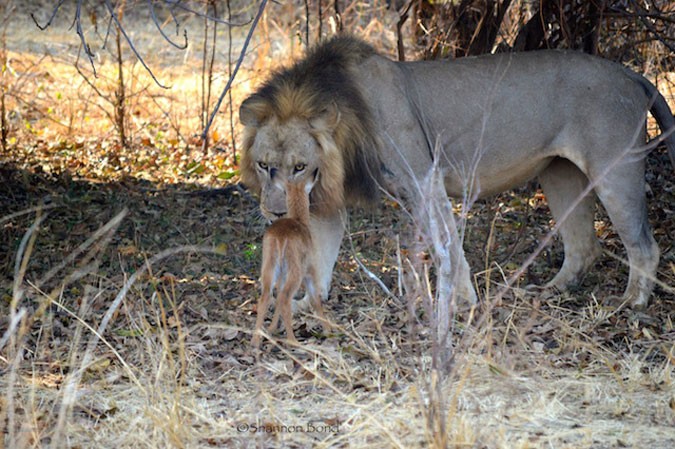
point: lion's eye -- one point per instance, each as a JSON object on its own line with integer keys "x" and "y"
{"x": 299, "y": 167}
{"x": 263, "y": 166}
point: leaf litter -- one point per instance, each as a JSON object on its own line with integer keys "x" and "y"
{"x": 565, "y": 370}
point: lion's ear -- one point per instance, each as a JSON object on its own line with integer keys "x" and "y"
{"x": 327, "y": 120}
{"x": 252, "y": 111}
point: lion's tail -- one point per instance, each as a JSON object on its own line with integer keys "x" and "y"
{"x": 664, "y": 117}
{"x": 661, "y": 112}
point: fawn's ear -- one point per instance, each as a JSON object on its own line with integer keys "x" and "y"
{"x": 311, "y": 182}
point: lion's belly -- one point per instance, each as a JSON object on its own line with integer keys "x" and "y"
{"x": 494, "y": 180}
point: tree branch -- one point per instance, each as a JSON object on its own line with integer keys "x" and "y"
{"x": 80, "y": 33}
{"x": 151, "y": 4}
{"x": 177, "y": 4}
{"x": 111, "y": 11}
{"x": 51, "y": 18}
{"x": 650, "y": 26}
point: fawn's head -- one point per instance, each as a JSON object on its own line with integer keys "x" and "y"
{"x": 297, "y": 189}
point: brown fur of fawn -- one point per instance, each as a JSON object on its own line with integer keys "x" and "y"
{"x": 287, "y": 262}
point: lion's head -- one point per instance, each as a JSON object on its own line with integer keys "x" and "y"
{"x": 308, "y": 119}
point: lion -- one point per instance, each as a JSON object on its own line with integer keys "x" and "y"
{"x": 573, "y": 121}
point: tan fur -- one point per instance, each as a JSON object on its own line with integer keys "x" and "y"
{"x": 367, "y": 122}
{"x": 288, "y": 262}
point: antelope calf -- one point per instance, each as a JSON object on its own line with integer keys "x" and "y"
{"x": 288, "y": 261}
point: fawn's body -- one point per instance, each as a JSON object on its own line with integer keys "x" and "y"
{"x": 287, "y": 261}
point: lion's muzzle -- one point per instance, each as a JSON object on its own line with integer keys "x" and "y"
{"x": 273, "y": 204}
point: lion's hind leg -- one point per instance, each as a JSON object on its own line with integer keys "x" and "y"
{"x": 327, "y": 233}
{"x": 622, "y": 192}
{"x": 564, "y": 184}
{"x": 312, "y": 283}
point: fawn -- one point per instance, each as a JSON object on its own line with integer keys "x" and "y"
{"x": 288, "y": 261}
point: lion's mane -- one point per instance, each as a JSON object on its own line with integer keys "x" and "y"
{"x": 350, "y": 171}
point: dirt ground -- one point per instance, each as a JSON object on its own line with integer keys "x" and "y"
{"x": 169, "y": 252}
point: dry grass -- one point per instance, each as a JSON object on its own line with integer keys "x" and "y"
{"x": 174, "y": 367}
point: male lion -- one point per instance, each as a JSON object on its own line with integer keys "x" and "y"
{"x": 367, "y": 122}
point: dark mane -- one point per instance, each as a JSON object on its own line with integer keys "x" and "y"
{"x": 323, "y": 72}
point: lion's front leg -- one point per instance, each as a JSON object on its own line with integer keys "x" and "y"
{"x": 327, "y": 233}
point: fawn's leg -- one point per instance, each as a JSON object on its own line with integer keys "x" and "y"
{"x": 275, "y": 318}
{"x": 263, "y": 304}
{"x": 284, "y": 299}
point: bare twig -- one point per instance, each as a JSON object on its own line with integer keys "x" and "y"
{"x": 207, "y": 69}
{"x": 178, "y": 4}
{"x": 403, "y": 17}
{"x": 94, "y": 88}
{"x": 120, "y": 94}
{"x": 307, "y": 23}
{"x": 30, "y": 210}
{"x": 113, "y": 16}
{"x": 52, "y": 17}
{"x": 229, "y": 71}
{"x": 114, "y": 19}
{"x": 80, "y": 33}
{"x": 650, "y": 26}
{"x": 4, "y": 125}
{"x": 338, "y": 15}
{"x": 151, "y": 4}
{"x": 320, "y": 21}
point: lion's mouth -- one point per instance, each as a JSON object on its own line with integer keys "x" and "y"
{"x": 270, "y": 215}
